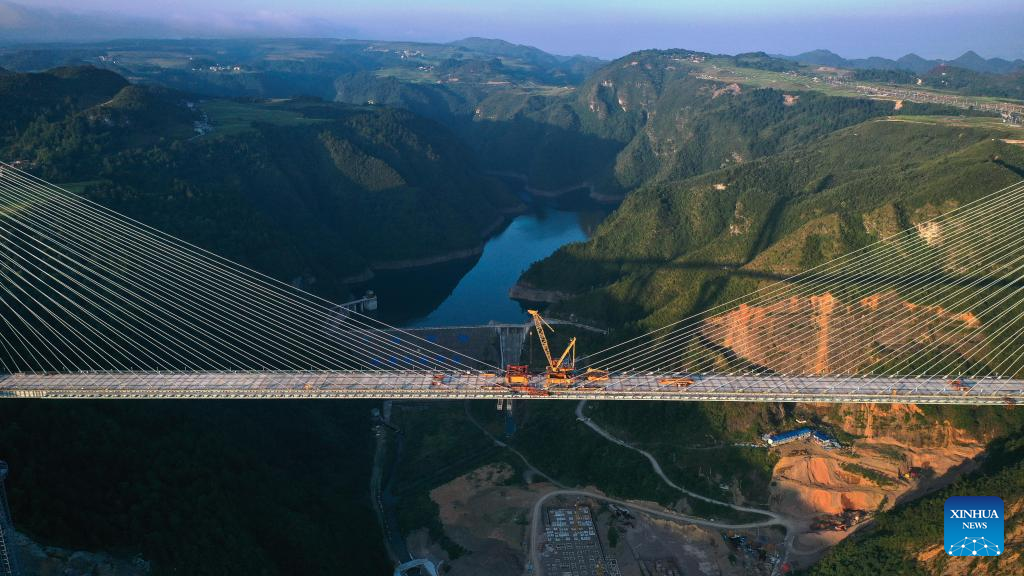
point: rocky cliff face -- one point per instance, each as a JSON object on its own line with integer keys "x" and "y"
{"x": 821, "y": 334}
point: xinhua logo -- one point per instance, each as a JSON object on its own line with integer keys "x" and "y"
{"x": 974, "y": 526}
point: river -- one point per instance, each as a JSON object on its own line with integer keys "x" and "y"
{"x": 475, "y": 290}
{"x": 471, "y": 292}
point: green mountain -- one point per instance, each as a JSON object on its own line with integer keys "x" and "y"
{"x": 301, "y": 189}
{"x": 969, "y": 60}
{"x": 673, "y": 244}
{"x": 568, "y": 68}
{"x": 725, "y": 187}
{"x": 26, "y": 97}
{"x": 650, "y": 117}
{"x": 283, "y": 68}
{"x": 438, "y": 101}
{"x": 679, "y": 245}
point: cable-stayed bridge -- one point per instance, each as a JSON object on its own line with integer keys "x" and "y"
{"x": 96, "y": 305}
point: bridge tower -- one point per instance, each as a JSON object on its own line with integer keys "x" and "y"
{"x": 8, "y": 567}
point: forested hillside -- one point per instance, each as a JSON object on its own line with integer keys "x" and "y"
{"x": 723, "y": 186}
{"x": 954, "y": 78}
{"x": 649, "y": 117}
{"x": 199, "y": 488}
{"x": 302, "y": 190}
{"x": 678, "y": 246}
{"x": 284, "y": 68}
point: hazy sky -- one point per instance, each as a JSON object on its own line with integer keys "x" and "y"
{"x": 853, "y": 28}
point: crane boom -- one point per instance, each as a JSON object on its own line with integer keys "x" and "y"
{"x": 559, "y": 372}
{"x": 540, "y": 323}
{"x": 570, "y": 348}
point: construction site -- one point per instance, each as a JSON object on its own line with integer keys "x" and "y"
{"x": 571, "y": 546}
{"x": 559, "y": 373}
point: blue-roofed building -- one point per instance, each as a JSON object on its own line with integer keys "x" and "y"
{"x": 786, "y": 437}
{"x": 825, "y": 440}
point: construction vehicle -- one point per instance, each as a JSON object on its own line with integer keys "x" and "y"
{"x": 961, "y": 385}
{"x": 559, "y": 372}
{"x": 590, "y": 380}
{"x": 530, "y": 390}
{"x": 677, "y": 381}
{"x": 517, "y": 374}
{"x": 517, "y": 379}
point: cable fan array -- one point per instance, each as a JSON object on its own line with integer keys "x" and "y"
{"x": 940, "y": 299}
{"x": 83, "y": 288}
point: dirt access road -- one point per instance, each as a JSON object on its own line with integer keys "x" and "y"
{"x": 772, "y": 518}
{"x": 777, "y": 519}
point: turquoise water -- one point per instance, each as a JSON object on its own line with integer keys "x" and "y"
{"x": 475, "y": 291}
{"x": 482, "y": 294}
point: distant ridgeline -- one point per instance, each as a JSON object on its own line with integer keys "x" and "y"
{"x": 969, "y": 60}
{"x": 648, "y": 117}
{"x": 560, "y": 121}
{"x": 322, "y": 193}
{"x": 726, "y": 187}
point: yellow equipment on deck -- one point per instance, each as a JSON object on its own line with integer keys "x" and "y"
{"x": 560, "y": 371}
{"x": 676, "y": 381}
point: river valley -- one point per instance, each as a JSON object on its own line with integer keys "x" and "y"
{"x": 475, "y": 291}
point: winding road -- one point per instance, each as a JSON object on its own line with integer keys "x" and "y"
{"x": 790, "y": 524}
{"x": 776, "y": 518}
{"x": 773, "y": 518}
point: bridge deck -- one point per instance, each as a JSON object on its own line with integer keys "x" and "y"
{"x": 469, "y": 385}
